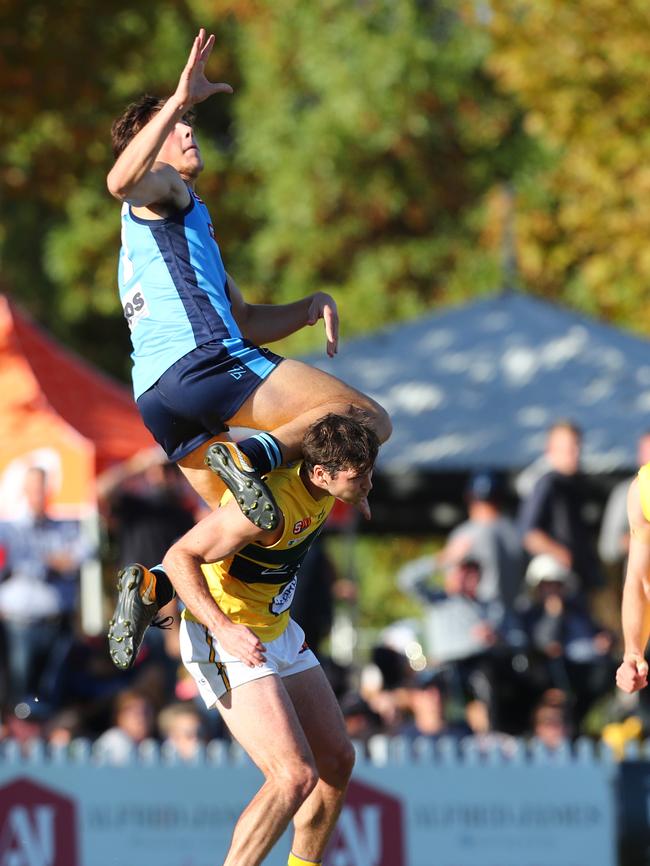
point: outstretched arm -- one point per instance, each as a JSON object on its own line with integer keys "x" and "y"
{"x": 216, "y": 537}
{"x": 632, "y": 675}
{"x": 136, "y": 177}
{"x": 266, "y": 323}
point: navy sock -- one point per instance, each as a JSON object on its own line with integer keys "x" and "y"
{"x": 263, "y": 452}
{"x": 164, "y": 589}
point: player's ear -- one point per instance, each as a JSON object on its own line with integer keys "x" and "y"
{"x": 319, "y": 473}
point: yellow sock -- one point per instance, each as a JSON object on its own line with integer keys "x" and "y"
{"x": 298, "y": 861}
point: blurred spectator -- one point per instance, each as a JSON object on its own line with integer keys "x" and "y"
{"x": 313, "y": 603}
{"x": 181, "y": 727}
{"x": 389, "y": 656}
{"x": 551, "y": 518}
{"x": 479, "y": 642}
{"x": 458, "y": 625}
{"x": 427, "y": 701}
{"x": 133, "y": 723}
{"x": 489, "y": 537}
{"x": 338, "y": 676}
{"x": 361, "y": 722}
{"x": 617, "y": 735}
{"x": 388, "y": 703}
{"x": 38, "y": 598}
{"x": 550, "y": 724}
{"x": 26, "y": 722}
{"x": 572, "y": 650}
{"x": 614, "y": 538}
{"x": 148, "y": 505}
{"x": 485, "y": 738}
{"x": 63, "y": 727}
{"x": 145, "y": 501}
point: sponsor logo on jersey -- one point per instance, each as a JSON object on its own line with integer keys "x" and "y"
{"x": 282, "y": 600}
{"x": 135, "y": 307}
{"x": 300, "y": 525}
{"x": 237, "y": 371}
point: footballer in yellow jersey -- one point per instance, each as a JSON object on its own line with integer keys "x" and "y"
{"x": 237, "y": 580}
{"x": 249, "y": 658}
{"x": 255, "y": 586}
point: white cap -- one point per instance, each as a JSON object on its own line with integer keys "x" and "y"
{"x": 547, "y": 567}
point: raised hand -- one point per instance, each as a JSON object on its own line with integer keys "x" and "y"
{"x": 193, "y": 87}
{"x": 323, "y": 306}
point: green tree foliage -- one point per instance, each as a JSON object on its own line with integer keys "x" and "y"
{"x": 375, "y": 140}
{"x": 366, "y": 147}
{"x": 581, "y": 70}
{"x": 68, "y": 69}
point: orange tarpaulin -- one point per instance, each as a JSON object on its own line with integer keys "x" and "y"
{"x": 58, "y": 412}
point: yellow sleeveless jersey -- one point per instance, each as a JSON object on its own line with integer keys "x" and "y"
{"x": 255, "y": 587}
{"x": 644, "y": 490}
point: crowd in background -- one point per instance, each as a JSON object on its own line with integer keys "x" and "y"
{"x": 510, "y": 642}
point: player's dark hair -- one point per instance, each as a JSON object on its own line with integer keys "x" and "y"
{"x": 134, "y": 118}
{"x": 341, "y": 442}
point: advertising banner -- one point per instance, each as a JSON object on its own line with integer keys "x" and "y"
{"x": 395, "y": 815}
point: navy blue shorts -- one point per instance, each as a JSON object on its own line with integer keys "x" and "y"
{"x": 193, "y": 400}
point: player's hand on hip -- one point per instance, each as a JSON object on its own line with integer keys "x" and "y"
{"x": 632, "y": 674}
{"x": 241, "y": 642}
{"x": 193, "y": 86}
{"x": 323, "y": 306}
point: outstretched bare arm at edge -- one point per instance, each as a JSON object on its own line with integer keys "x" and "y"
{"x": 632, "y": 674}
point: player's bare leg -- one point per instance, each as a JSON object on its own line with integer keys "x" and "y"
{"x": 294, "y": 396}
{"x": 286, "y": 403}
{"x": 208, "y": 485}
{"x": 280, "y": 750}
{"x": 322, "y": 722}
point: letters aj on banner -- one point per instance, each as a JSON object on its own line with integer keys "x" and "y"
{"x": 38, "y": 826}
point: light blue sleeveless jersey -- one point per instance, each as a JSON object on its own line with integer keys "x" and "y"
{"x": 173, "y": 289}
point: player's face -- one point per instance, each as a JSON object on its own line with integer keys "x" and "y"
{"x": 348, "y": 485}
{"x": 181, "y": 150}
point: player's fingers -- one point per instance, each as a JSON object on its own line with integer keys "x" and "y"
{"x": 642, "y": 667}
{"x": 257, "y": 649}
{"x": 624, "y": 684}
{"x": 331, "y": 318}
{"x": 248, "y": 656}
{"x": 222, "y": 87}
{"x": 194, "y": 53}
{"x": 207, "y": 48}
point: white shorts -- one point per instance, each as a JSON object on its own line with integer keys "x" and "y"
{"x": 216, "y": 671}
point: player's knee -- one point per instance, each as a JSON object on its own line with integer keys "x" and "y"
{"x": 338, "y": 764}
{"x": 383, "y": 424}
{"x": 299, "y": 781}
{"x": 377, "y": 416}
